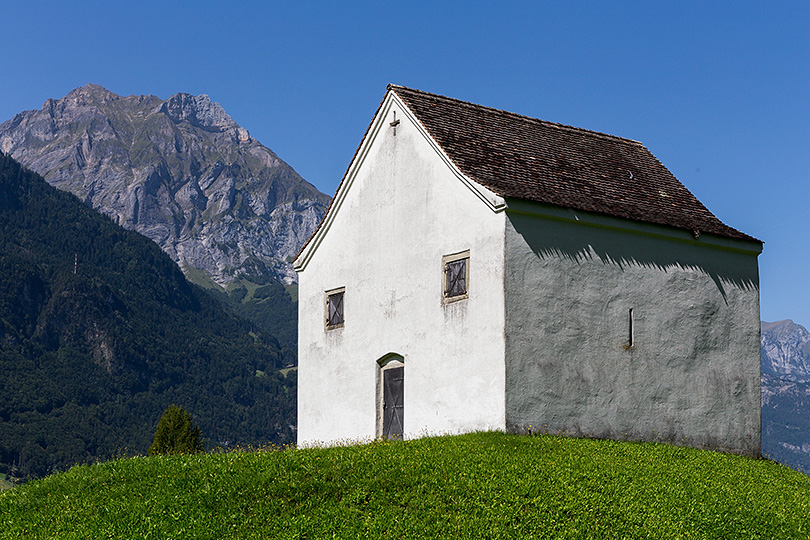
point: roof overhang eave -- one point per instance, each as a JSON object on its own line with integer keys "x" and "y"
{"x": 521, "y": 206}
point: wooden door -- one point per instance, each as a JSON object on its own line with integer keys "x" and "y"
{"x": 393, "y": 402}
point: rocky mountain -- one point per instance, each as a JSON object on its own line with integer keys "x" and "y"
{"x": 785, "y": 350}
{"x": 180, "y": 171}
{"x": 785, "y": 362}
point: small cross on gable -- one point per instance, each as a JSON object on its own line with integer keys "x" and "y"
{"x": 394, "y": 124}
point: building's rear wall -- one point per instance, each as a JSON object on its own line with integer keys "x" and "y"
{"x": 692, "y": 376}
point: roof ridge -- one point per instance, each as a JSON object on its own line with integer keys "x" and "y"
{"x": 548, "y": 123}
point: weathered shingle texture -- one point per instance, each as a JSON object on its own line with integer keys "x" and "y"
{"x": 520, "y": 157}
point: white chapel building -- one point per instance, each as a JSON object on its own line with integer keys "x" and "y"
{"x": 482, "y": 270}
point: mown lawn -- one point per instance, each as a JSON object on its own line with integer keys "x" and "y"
{"x": 484, "y": 485}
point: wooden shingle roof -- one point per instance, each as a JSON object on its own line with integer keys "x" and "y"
{"x": 525, "y": 158}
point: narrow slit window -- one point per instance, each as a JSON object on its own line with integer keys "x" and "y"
{"x": 334, "y": 309}
{"x": 456, "y": 276}
{"x": 631, "y": 337}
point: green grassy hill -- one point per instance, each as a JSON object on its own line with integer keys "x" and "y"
{"x": 484, "y": 485}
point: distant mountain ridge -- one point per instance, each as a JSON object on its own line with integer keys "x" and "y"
{"x": 180, "y": 171}
{"x": 785, "y": 364}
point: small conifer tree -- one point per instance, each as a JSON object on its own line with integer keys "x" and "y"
{"x": 176, "y": 434}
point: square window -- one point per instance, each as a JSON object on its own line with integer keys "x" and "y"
{"x": 456, "y": 276}
{"x": 334, "y": 309}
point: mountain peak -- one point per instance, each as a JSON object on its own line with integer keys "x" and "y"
{"x": 785, "y": 348}
{"x": 766, "y": 326}
{"x": 198, "y": 110}
{"x": 93, "y": 87}
{"x": 179, "y": 171}
{"x": 90, "y": 92}
{"x": 785, "y": 325}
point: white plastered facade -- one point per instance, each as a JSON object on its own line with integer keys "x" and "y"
{"x": 401, "y": 208}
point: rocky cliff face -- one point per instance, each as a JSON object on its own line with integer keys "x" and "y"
{"x": 785, "y": 350}
{"x": 180, "y": 171}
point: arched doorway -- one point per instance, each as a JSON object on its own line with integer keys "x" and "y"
{"x": 391, "y": 396}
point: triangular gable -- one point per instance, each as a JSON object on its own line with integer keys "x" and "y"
{"x": 382, "y": 117}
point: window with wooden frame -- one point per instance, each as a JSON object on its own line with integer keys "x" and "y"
{"x": 456, "y": 276}
{"x": 334, "y": 308}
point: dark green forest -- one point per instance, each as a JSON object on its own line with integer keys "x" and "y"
{"x": 100, "y": 332}
{"x": 266, "y": 304}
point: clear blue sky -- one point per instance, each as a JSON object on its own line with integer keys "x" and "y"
{"x": 718, "y": 91}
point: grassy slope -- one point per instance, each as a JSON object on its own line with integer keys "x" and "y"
{"x": 481, "y": 485}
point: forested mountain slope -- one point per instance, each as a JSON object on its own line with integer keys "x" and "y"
{"x": 100, "y": 332}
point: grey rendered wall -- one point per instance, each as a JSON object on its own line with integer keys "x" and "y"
{"x": 692, "y": 375}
